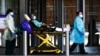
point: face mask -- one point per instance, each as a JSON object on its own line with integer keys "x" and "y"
{"x": 34, "y": 17}
{"x": 11, "y": 13}
{"x": 81, "y": 15}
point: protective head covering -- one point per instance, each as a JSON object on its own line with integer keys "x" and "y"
{"x": 25, "y": 26}
{"x": 27, "y": 17}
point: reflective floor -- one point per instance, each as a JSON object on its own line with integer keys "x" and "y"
{"x": 92, "y": 51}
{"x": 69, "y": 55}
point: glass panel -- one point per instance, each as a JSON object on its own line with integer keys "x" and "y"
{"x": 92, "y": 24}
{"x": 86, "y": 20}
{"x": 70, "y": 11}
{"x": 0, "y": 6}
{"x": 92, "y": 21}
{"x": 70, "y": 7}
{"x": 49, "y": 11}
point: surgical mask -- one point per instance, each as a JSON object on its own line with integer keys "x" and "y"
{"x": 11, "y": 13}
{"x": 34, "y": 17}
{"x": 81, "y": 15}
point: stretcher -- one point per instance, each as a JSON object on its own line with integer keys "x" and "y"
{"x": 45, "y": 37}
{"x": 41, "y": 34}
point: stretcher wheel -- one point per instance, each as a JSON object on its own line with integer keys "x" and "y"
{"x": 31, "y": 51}
{"x": 58, "y": 51}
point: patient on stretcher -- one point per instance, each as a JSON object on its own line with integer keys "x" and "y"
{"x": 37, "y": 25}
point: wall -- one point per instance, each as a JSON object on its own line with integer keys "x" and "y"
{"x": 69, "y": 7}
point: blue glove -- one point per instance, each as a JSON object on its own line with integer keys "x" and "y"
{"x": 82, "y": 33}
{"x": 14, "y": 33}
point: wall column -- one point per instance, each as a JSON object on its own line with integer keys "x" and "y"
{"x": 3, "y": 6}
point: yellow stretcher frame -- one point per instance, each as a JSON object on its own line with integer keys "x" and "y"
{"x": 46, "y": 41}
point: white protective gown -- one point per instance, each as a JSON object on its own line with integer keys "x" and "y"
{"x": 10, "y": 28}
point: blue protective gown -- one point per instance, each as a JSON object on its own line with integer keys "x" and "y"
{"x": 77, "y": 35}
{"x": 26, "y": 26}
{"x": 37, "y": 23}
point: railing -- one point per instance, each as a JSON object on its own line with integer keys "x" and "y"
{"x": 25, "y": 43}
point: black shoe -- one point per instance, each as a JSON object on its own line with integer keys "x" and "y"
{"x": 84, "y": 53}
{"x": 10, "y": 54}
{"x": 70, "y": 53}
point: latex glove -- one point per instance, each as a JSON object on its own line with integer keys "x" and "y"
{"x": 14, "y": 33}
{"x": 82, "y": 33}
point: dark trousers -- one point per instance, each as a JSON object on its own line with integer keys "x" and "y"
{"x": 10, "y": 45}
{"x": 34, "y": 41}
{"x": 81, "y": 46}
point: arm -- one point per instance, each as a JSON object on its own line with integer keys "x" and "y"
{"x": 37, "y": 23}
{"x": 80, "y": 25}
{"x": 10, "y": 24}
